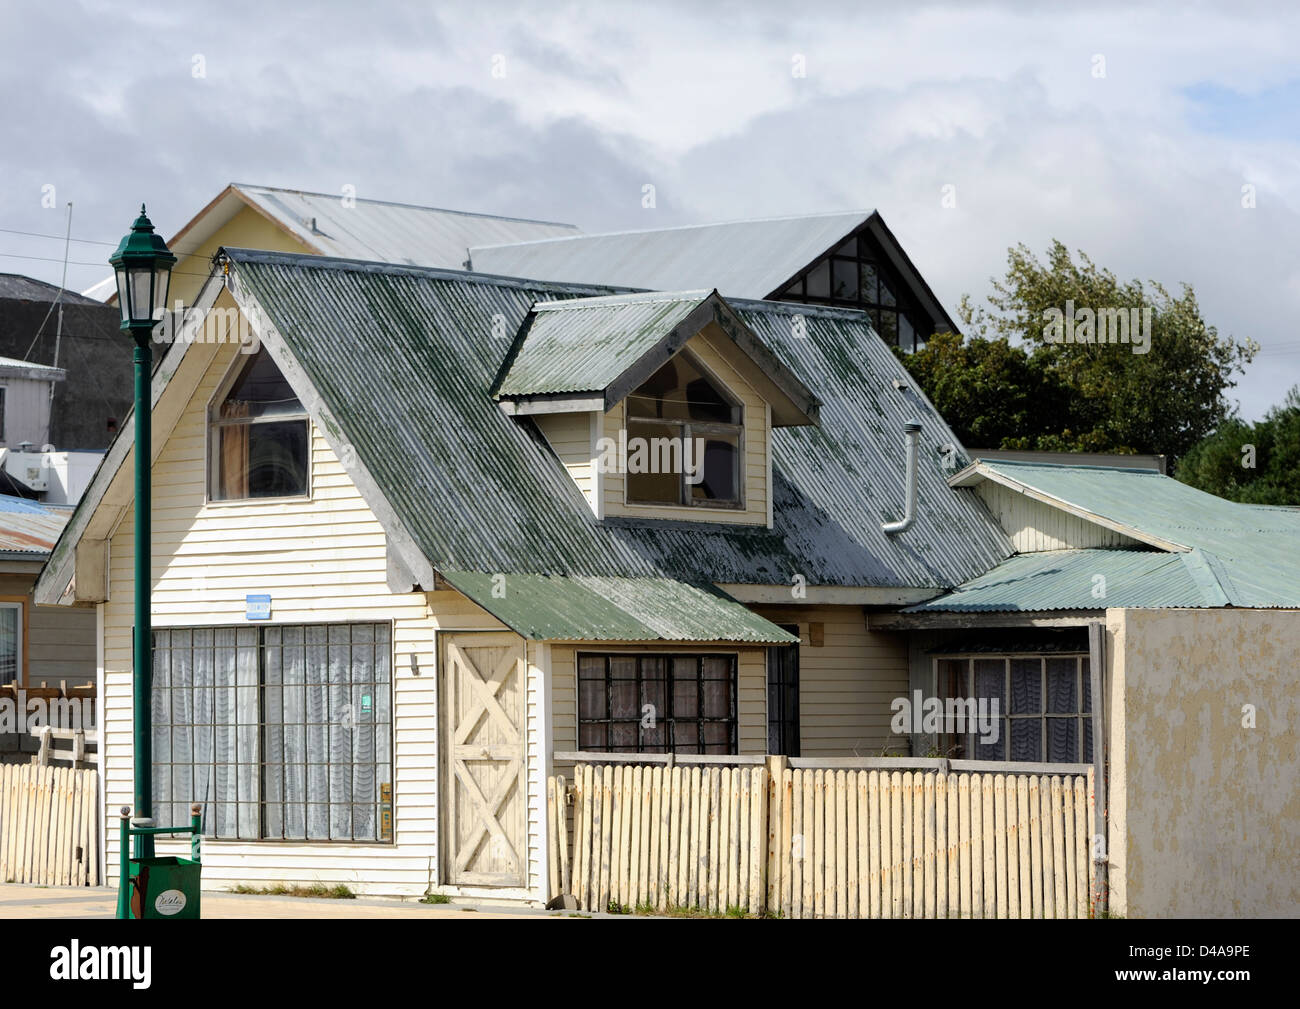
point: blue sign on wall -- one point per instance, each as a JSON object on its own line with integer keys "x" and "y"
{"x": 257, "y": 607}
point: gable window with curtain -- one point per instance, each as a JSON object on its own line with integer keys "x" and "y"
{"x": 260, "y": 436}
{"x": 281, "y": 732}
{"x": 681, "y": 403}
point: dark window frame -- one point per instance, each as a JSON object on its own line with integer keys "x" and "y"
{"x": 684, "y": 429}
{"x": 967, "y": 746}
{"x": 783, "y": 725}
{"x": 216, "y": 424}
{"x": 867, "y": 253}
{"x": 669, "y": 720}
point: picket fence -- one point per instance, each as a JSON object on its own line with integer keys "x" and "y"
{"x": 48, "y": 825}
{"x": 768, "y": 838}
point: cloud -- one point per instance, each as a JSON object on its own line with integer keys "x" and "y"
{"x": 1142, "y": 168}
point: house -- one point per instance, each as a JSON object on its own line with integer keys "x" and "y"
{"x": 421, "y": 533}
{"x": 73, "y": 341}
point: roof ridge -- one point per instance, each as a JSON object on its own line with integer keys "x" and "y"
{"x": 252, "y": 187}
{"x": 862, "y": 214}
{"x": 635, "y": 298}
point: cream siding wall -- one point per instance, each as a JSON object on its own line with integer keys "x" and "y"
{"x": 846, "y": 685}
{"x": 323, "y": 561}
{"x": 754, "y": 472}
{"x": 1034, "y": 526}
{"x": 58, "y": 641}
{"x": 248, "y": 229}
{"x": 570, "y": 435}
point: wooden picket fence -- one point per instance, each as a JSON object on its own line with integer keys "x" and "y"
{"x": 832, "y": 842}
{"x": 48, "y": 825}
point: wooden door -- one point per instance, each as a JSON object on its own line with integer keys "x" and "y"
{"x": 484, "y": 781}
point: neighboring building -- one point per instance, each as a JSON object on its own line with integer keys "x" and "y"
{"x": 88, "y": 359}
{"x": 393, "y": 577}
{"x": 38, "y": 644}
{"x": 849, "y": 260}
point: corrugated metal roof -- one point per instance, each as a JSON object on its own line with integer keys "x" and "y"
{"x": 1248, "y": 555}
{"x": 29, "y": 527}
{"x": 578, "y": 608}
{"x": 392, "y": 232}
{"x": 742, "y": 259}
{"x": 583, "y": 345}
{"x": 1072, "y": 579}
{"x": 404, "y": 358}
{"x": 16, "y": 287}
{"x": 29, "y": 369}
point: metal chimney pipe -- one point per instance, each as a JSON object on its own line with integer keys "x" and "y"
{"x": 912, "y": 435}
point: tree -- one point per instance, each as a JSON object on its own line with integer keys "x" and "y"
{"x": 1255, "y": 463}
{"x": 1021, "y": 376}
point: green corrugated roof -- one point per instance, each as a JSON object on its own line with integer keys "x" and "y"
{"x": 586, "y": 608}
{"x": 403, "y": 361}
{"x": 583, "y": 345}
{"x": 1074, "y": 579}
{"x": 1245, "y": 555}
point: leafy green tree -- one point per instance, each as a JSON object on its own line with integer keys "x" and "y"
{"x": 1255, "y": 463}
{"x": 1011, "y": 381}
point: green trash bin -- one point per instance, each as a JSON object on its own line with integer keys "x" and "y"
{"x": 164, "y": 887}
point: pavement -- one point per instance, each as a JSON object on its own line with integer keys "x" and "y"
{"x": 19, "y": 900}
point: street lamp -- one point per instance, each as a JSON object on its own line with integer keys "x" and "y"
{"x": 143, "y": 265}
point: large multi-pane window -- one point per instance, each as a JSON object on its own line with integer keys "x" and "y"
{"x": 1043, "y": 705}
{"x": 260, "y": 437}
{"x": 280, "y": 732}
{"x": 857, "y": 274}
{"x": 690, "y": 439}
{"x": 657, "y": 703}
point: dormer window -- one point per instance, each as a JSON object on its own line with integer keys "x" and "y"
{"x": 689, "y": 432}
{"x": 259, "y": 435}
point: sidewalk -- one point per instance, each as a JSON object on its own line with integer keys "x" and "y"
{"x": 23, "y": 901}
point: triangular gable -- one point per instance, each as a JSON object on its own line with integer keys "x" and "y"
{"x": 601, "y": 349}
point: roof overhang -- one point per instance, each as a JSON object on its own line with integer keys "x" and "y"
{"x": 590, "y": 608}
{"x": 793, "y": 404}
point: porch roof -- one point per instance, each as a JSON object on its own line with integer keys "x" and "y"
{"x": 589, "y": 608}
{"x": 1073, "y": 580}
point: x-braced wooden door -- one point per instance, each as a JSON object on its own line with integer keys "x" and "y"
{"x": 484, "y": 781}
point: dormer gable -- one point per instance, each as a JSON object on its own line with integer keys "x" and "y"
{"x": 659, "y": 405}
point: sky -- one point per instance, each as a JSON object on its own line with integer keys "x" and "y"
{"x": 1163, "y": 140}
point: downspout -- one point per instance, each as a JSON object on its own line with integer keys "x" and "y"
{"x": 912, "y": 434}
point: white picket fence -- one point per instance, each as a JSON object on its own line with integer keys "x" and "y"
{"x": 823, "y": 842}
{"x": 48, "y": 825}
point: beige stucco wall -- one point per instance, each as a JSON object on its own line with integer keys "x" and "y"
{"x": 1204, "y": 812}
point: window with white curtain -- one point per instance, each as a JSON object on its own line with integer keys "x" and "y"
{"x": 281, "y": 732}
{"x": 11, "y": 642}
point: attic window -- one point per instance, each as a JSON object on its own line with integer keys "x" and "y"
{"x": 691, "y": 433}
{"x": 259, "y": 436}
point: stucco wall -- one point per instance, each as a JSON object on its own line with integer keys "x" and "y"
{"x": 1205, "y": 812}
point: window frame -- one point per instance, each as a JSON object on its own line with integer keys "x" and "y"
{"x": 259, "y": 734}
{"x": 212, "y": 436}
{"x": 18, "y": 603}
{"x": 784, "y": 726}
{"x": 667, "y": 657}
{"x": 1083, "y": 696}
{"x": 687, "y": 429}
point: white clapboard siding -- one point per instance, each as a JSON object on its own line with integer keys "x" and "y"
{"x": 47, "y": 825}
{"x": 570, "y": 436}
{"x": 1034, "y": 526}
{"x": 829, "y": 842}
{"x": 322, "y": 560}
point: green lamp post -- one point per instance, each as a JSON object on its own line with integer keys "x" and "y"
{"x": 143, "y": 265}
